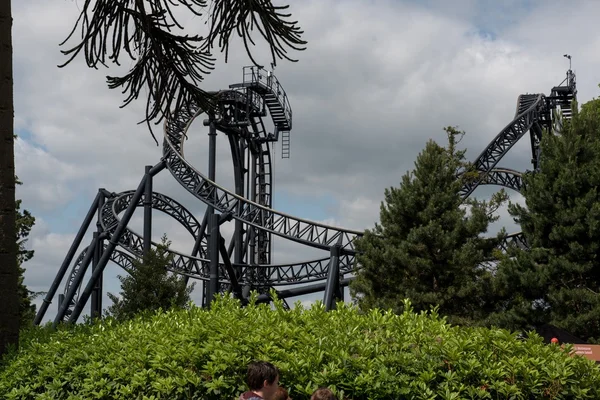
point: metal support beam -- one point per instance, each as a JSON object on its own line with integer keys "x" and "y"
{"x": 251, "y": 251}
{"x": 157, "y": 168}
{"x": 232, "y": 246}
{"x": 96, "y": 311}
{"x": 96, "y": 301}
{"x": 207, "y": 294}
{"x": 212, "y": 154}
{"x": 333, "y": 279}
{"x": 112, "y": 243}
{"x": 148, "y": 210}
{"x": 68, "y": 258}
{"x": 195, "y": 251}
{"x": 235, "y": 286}
{"x": 213, "y": 253}
{"x": 237, "y": 148}
{"x": 197, "y": 244}
{"x": 236, "y": 144}
{"x": 247, "y": 168}
{"x": 302, "y": 290}
{"x": 340, "y": 289}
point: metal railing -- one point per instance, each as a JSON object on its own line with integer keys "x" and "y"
{"x": 254, "y": 102}
{"x": 258, "y": 76}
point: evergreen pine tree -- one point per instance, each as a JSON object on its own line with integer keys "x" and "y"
{"x": 429, "y": 245}
{"x": 24, "y": 222}
{"x": 150, "y": 286}
{"x": 558, "y": 280}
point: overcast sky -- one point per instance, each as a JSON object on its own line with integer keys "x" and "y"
{"x": 379, "y": 79}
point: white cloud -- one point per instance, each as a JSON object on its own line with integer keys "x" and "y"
{"x": 46, "y": 178}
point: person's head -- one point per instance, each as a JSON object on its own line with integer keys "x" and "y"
{"x": 281, "y": 394}
{"x": 323, "y": 394}
{"x": 262, "y": 377}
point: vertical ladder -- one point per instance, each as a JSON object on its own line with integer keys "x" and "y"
{"x": 285, "y": 144}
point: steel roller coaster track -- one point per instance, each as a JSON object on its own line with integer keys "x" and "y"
{"x": 245, "y": 264}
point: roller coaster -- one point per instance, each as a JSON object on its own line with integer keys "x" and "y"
{"x": 245, "y": 264}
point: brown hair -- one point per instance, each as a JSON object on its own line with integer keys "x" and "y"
{"x": 281, "y": 394}
{"x": 323, "y": 394}
{"x": 259, "y": 372}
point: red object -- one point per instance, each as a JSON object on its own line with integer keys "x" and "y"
{"x": 554, "y": 340}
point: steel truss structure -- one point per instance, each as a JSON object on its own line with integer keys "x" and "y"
{"x": 245, "y": 264}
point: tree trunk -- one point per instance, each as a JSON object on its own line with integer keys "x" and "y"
{"x": 9, "y": 297}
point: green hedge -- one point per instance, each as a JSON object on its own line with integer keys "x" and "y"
{"x": 198, "y": 354}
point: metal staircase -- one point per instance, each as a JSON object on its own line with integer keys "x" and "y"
{"x": 561, "y": 99}
{"x": 262, "y": 82}
{"x": 557, "y": 109}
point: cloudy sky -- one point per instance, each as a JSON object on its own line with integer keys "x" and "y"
{"x": 378, "y": 80}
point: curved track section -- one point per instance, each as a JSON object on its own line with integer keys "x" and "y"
{"x": 505, "y": 177}
{"x": 529, "y": 109}
{"x": 516, "y": 239}
{"x": 198, "y": 267}
{"x": 292, "y": 228}
{"x": 130, "y": 240}
{"x": 119, "y": 257}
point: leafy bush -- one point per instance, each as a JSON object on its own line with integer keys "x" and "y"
{"x": 199, "y": 354}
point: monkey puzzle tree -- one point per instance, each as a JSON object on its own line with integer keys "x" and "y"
{"x": 169, "y": 64}
{"x": 428, "y": 246}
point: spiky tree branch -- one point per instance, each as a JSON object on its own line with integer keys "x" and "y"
{"x": 170, "y": 65}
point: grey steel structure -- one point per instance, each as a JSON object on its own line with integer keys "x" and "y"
{"x": 245, "y": 264}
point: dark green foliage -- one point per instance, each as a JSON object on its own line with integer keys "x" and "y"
{"x": 558, "y": 281}
{"x": 24, "y": 222}
{"x": 149, "y": 286}
{"x": 428, "y": 247}
{"x": 200, "y": 354}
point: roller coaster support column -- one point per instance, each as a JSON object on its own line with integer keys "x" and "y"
{"x": 216, "y": 246}
{"x": 96, "y": 306}
{"x": 112, "y": 243}
{"x": 238, "y": 151}
{"x": 69, "y": 257}
{"x": 251, "y": 250}
{"x": 212, "y": 163}
{"x": 197, "y": 244}
{"x": 340, "y": 288}
{"x": 213, "y": 254}
{"x": 148, "y": 210}
{"x": 332, "y": 286}
{"x": 212, "y": 152}
{"x": 239, "y": 190}
{"x": 96, "y": 300}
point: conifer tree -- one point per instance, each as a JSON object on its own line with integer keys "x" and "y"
{"x": 558, "y": 280}
{"x": 150, "y": 286}
{"x": 24, "y": 222}
{"x": 430, "y": 243}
